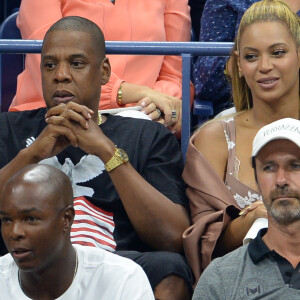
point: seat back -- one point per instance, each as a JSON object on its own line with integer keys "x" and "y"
{"x": 11, "y": 65}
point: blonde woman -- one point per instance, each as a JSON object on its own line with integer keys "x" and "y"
{"x": 221, "y": 186}
{"x": 219, "y": 23}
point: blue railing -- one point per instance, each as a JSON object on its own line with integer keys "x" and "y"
{"x": 185, "y": 49}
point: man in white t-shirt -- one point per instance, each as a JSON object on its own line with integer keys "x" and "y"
{"x": 36, "y": 211}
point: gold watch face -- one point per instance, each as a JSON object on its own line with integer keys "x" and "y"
{"x": 118, "y": 159}
{"x": 123, "y": 155}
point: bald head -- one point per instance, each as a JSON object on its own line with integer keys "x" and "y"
{"x": 36, "y": 210}
{"x": 74, "y": 23}
{"x": 51, "y": 181}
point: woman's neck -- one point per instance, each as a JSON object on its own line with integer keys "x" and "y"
{"x": 264, "y": 113}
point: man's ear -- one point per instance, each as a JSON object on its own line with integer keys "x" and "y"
{"x": 105, "y": 70}
{"x": 238, "y": 61}
{"x": 68, "y": 218}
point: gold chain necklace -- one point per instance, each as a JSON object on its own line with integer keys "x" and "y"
{"x": 76, "y": 266}
{"x": 99, "y": 118}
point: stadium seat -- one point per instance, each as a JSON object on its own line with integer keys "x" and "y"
{"x": 11, "y": 65}
{"x": 202, "y": 110}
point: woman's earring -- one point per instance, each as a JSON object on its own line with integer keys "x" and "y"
{"x": 240, "y": 74}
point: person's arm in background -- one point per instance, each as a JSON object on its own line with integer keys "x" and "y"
{"x": 177, "y": 24}
{"x": 35, "y": 18}
{"x": 167, "y": 91}
{"x": 218, "y": 24}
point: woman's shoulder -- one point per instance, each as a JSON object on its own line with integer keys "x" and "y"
{"x": 212, "y": 129}
{"x": 213, "y": 132}
{"x": 210, "y": 140}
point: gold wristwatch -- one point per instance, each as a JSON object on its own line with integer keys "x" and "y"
{"x": 120, "y": 157}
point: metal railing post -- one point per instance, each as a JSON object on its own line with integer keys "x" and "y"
{"x": 186, "y": 96}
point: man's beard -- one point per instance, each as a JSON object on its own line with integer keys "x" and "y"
{"x": 284, "y": 212}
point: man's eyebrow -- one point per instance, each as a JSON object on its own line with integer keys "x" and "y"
{"x": 78, "y": 55}
{"x": 48, "y": 57}
{"x": 54, "y": 57}
{"x": 29, "y": 210}
{"x": 293, "y": 160}
{"x": 266, "y": 162}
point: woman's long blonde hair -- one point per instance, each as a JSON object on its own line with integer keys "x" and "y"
{"x": 262, "y": 11}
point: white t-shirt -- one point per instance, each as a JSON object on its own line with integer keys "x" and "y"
{"x": 100, "y": 275}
